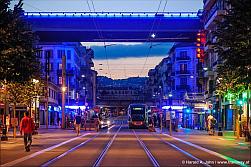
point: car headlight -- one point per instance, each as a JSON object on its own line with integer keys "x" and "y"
{"x": 102, "y": 122}
{"x": 108, "y": 122}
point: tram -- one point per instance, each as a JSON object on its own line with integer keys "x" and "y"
{"x": 138, "y": 116}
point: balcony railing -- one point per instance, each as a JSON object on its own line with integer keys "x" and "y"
{"x": 182, "y": 87}
{"x": 217, "y": 7}
{"x": 182, "y": 58}
{"x": 186, "y": 72}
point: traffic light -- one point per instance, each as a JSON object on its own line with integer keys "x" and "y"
{"x": 200, "y": 43}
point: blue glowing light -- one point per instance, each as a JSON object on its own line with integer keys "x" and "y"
{"x": 188, "y": 110}
{"x": 113, "y": 14}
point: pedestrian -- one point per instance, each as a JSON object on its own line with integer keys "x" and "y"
{"x": 77, "y": 123}
{"x": 26, "y": 127}
{"x": 1, "y": 124}
{"x": 211, "y": 123}
{"x": 7, "y": 123}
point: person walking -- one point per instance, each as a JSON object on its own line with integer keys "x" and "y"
{"x": 26, "y": 127}
{"x": 7, "y": 123}
{"x": 77, "y": 123}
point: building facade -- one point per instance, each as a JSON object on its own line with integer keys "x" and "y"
{"x": 176, "y": 85}
{"x": 213, "y": 12}
{"x": 79, "y": 78}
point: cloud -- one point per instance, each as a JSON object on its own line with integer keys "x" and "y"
{"x": 126, "y": 67}
{"x": 102, "y": 44}
{"x": 120, "y": 50}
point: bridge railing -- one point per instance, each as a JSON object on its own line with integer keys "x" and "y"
{"x": 114, "y": 14}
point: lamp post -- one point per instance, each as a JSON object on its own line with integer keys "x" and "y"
{"x": 247, "y": 138}
{"x": 35, "y": 81}
{"x": 63, "y": 89}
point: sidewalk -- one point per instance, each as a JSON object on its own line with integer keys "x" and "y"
{"x": 14, "y": 148}
{"x": 227, "y": 144}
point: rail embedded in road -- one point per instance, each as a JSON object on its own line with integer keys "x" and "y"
{"x": 103, "y": 153}
{"x": 147, "y": 151}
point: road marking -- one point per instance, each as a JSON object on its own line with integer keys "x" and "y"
{"x": 184, "y": 152}
{"x": 102, "y": 155}
{"x": 69, "y": 151}
{"x": 111, "y": 127}
{"x": 42, "y": 151}
{"x": 148, "y": 153}
{"x": 232, "y": 160}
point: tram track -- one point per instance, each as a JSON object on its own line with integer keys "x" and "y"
{"x": 50, "y": 156}
{"x": 69, "y": 151}
{"x": 155, "y": 163}
{"x": 24, "y": 160}
{"x": 197, "y": 160}
{"x": 210, "y": 157}
{"x": 82, "y": 151}
{"x": 104, "y": 151}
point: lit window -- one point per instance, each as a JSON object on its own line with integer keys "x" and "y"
{"x": 60, "y": 80}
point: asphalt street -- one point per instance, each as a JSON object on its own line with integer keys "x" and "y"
{"x": 114, "y": 146}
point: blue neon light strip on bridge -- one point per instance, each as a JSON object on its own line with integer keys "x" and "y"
{"x": 112, "y": 14}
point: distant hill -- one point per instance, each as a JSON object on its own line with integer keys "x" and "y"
{"x": 133, "y": 81}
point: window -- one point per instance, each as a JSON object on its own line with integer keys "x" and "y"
{"x": 68, "y": 54}
{"x": 48, "y": 54}
{"x": 183, "y": 81}
{"x": 49, "y": 92}
{"x": 68, "y": 65}
{"x": 52, "y": 79}
{"x": 40, "y": 54}
{"x": 60, "y": 80}
{"x": 60, "y": 66}
{"x": 51, "y": 67}
{"x": 183, "y": 67}
{"x": 60, "y": 53}
{"x": 183, "y": 54}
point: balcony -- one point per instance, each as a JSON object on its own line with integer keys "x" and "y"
{"x": 68, "y": 72}
{"x": 183, "y": 58}
{"x": 183, "y": 87}
{"x": 214, "y": 14}
{"x": 186, "y": 72}
{"x": 208, "y": 73}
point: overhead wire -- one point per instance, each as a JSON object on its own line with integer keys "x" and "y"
{"x": 25, "y": 3}
{"x": 151, "y": 31}
{"x": 100, "y": 35}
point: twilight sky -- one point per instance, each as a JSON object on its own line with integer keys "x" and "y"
{"x": 121, "y": 60}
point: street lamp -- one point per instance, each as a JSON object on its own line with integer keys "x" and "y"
{"x": 35, "y": 81}
{"x": 64, "y": 89}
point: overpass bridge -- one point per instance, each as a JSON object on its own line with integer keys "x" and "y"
{"x": 115, "y": 26}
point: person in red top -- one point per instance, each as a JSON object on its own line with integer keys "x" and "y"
{"x": 27, "y": 126}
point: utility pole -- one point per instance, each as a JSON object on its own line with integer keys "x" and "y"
{"x": 47, "y": 69}
{"x": 94, "y": 87}
{"x": 248, "y": 105}
{"x": 63, "y": 89}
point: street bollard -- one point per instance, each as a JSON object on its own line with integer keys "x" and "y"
{"x": 220, "y": 133}
{"x": 35, "y": 132}
{"x": 4, "y": 136}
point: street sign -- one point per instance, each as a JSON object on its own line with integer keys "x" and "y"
{"x": 168, "y": 116}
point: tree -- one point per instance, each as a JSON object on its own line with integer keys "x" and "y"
{"x": 233, "y": 46}
{"x": 17, "y": 45}
{"x": 20, "y": 93}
